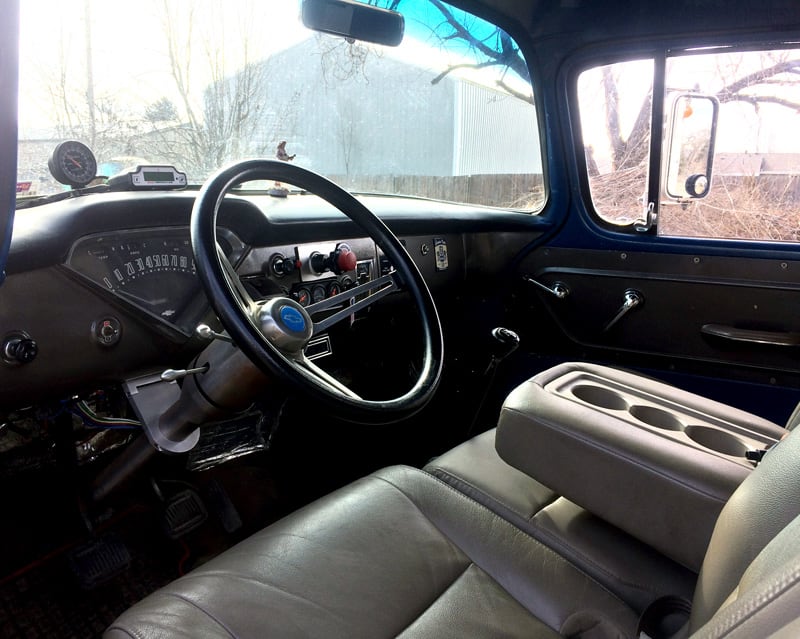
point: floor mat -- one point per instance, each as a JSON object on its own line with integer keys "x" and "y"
{"x": 46, "y": 602}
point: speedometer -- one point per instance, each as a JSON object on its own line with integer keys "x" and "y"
{"x": 151, "y": 269}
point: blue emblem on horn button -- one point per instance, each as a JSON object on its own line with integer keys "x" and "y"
{"x": 293, "y": 319}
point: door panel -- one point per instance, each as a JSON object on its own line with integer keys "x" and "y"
{"x": 681, "y": 294}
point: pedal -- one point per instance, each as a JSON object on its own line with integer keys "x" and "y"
{"x": 99, "y": 561}
{"x": 183, "y": 513}
{"x": 221, "y": 505}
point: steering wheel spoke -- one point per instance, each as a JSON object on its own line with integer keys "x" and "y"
{"x": 373, "y": 291}
{"x": 236, "y": 284}
{"x": 322, "y": 377}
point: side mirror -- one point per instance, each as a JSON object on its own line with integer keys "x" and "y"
{"x": 354, "y": 21}
{"x": 690, "y": 154}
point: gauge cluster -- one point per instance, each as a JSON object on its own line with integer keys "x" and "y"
{"x": 151, "y": 270}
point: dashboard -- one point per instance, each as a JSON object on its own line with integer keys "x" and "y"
{"x": 105, "y": 285}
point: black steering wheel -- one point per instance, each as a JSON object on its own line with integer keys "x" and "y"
{"x": 274, "y": 332}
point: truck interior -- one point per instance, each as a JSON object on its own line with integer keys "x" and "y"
{"x": 400, "y": 318}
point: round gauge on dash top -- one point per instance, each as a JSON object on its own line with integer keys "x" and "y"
{"x": 73, "y": 163}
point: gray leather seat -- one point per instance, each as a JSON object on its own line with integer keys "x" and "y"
{"x": 401, "y": 553}
{"x": 630, "y": 569}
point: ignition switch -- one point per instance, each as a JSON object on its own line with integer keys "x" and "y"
{"x": 107, "y": 331}
{"x": 281, "y": 265}
{"x": 19, "y": 348}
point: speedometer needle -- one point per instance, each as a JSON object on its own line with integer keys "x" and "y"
{"x": 74, "y": 161}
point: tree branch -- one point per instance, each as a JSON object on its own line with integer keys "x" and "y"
{"x": 466, "y": 65}
{"x": 526, "y": 97}
{"x": 508, "y": 56}
{"x": 756, "y": 100}
{"x": 787, "y": 66}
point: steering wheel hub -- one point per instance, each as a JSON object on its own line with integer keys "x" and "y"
{"x": 285, "y": 324}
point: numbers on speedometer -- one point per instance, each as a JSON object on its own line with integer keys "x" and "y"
{"x": 142, "y": 259}
{"x": 153, "y": 270}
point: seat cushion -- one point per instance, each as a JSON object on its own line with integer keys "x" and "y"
{"x": 632, "y": 570}
{"x": 475, "y": 469}
{"x": 398, "y": 553}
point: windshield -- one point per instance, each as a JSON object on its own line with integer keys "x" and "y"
{"x": 449, "y": 114}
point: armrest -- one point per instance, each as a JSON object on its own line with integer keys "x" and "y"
{"x": 649, "y": 458}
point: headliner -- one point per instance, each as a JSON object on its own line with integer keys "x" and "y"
{"x": 586, "y": 22}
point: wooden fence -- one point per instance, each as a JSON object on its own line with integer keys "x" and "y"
{"x": 518, "y": 191}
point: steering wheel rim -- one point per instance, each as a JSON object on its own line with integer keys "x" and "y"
{"x": 273, "y": 361}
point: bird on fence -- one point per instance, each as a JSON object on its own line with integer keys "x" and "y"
{"x": 281, "y": 153}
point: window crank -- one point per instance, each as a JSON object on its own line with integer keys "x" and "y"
{"x": 631, "y": 299}
{"x": 558, "y": 289}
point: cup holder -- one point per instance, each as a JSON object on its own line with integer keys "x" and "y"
{"x": 601, "y": 397}
{"x": 656, "y": 417}
{"x": 717, "y": 440}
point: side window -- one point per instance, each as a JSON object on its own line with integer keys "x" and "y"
{"x": 755, "y": 186}
{"x": 754, "y": 192}
{"x": 615, "y": 108}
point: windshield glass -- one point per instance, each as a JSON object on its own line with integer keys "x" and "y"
{"x": 449, "y": 114}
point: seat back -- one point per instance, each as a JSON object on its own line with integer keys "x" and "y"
{"x": 749, "y": 584}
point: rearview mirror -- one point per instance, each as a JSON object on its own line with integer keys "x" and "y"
{"x": 354, "y": 21}
{"x": 690, "y": 155}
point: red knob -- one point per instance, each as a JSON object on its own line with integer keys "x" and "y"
{"x": 345, "y": 260}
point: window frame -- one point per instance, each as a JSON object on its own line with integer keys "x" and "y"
{"x": 659, "y": 52}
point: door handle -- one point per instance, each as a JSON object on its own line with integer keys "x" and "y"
{"x": 771, "y": 338}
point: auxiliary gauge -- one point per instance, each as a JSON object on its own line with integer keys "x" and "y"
{"x": 73, "y": 163}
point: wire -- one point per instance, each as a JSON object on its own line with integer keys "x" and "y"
{"x": 93, "y": 420}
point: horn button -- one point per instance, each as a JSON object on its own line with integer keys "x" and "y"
{"x": 285, "y": 324}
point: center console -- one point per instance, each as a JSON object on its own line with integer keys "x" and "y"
{"x": 653, "y": 460}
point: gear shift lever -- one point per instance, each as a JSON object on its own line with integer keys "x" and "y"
{"x": 504, "y": 342}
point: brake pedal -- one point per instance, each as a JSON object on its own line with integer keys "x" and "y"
{"x": 183, "y": 513}
{"x": 98, "y": 561}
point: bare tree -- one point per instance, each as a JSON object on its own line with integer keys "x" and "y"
{"x": 78, "y": 109}
{"x": 629, "y": 149}
{"x": 228, "y": 117}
